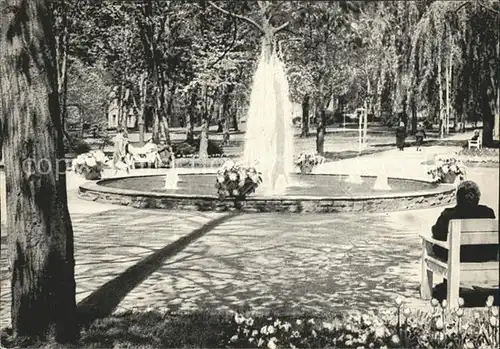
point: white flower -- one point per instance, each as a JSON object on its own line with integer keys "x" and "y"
{"x": 286, "y": 326}
{"x": 263, "y": 330}
{"x": 239, "y": 319}
{"x": 406, "y": 312}
{"x": 220, "y": 179}
{"x": 311, "y": 321}
{"x": 494, "y": 321}
{"x": 255, "y": 333}
{"x": 272, "y": 343}
{"x": 398, "y": 301}
{"x": 228, "y": 164}
{"x": 233, "y": 176}
{"x": 277, "y": 323}
{"x": 249, "y": 321}
{"x": 380, "y": 332}
{"x": 439, "y": 324}
{"x": 260, "y": 342}
{"x": 469, "y": 344}
{"x": 489, "y": 301}
{"x": 80, "y": 160}
{"x": 295, "y": 334}
{"x": 270, "y": 329}
{"x": 90, "y": 162}
{"x": 299, "y": 322}
{"x": 460, "y": 302}
{"x": 460, "y": 312}
{"x": 494, "y": 311}
{"x": 234, "y": 338}
{"x": 444, "y": 304}
{"x": 329, "y": 326}
{"x": 314, "y": 333}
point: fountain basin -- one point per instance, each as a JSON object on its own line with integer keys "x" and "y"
{"x": 317, "y": 193}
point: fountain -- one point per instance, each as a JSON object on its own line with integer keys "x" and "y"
{"x": 269, "y": 134}
{"x": 269, "y": 147}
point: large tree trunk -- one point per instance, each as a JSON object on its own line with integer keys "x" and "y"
{"x": 320, "y": 132}
{"x": 486, "y": 112}
{"x": 203, "y": 151}
{"x": 414, "y": 120}
{"x": 40, "y": 231}
{"x": 235, "y": 117}
{"x": 142, "y": 108}
{"x": 305, "y": 117}
{"x": 440, "y": 86}
{"x": 226, "y": 116}
{"x": 190, "y": 118}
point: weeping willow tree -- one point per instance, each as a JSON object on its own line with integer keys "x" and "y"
{"x": 454, "y": 60}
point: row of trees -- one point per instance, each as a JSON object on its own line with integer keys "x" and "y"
{"x": 183, "y": 61}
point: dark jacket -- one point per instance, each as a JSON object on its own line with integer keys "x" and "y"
{"x": 420, "y": 132}
{"x": 400, "y": 136}
{"x": 471, "y": 253}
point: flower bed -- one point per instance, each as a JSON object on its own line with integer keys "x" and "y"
{"x": 90, "y": 165}
{"x": 236, "y": 180}
{"x": 446, "y": 169}
{"x": 306, "y": 162}
{"x": 400, "y": 327}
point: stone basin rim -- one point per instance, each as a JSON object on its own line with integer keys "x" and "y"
{"x": 97, "y": 187}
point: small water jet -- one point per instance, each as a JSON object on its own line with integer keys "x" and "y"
{"x": 172, "y": 177}
{"x": 382, "y": 181}
{"x": 354, "y": 178}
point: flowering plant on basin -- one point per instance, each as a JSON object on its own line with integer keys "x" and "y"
{"x": 237, "y": 180}
{"x": 90, "y": 165}
{"x": 306, "y": 162}
{"x": 446, "y": 169}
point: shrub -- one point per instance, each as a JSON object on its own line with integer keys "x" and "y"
{"x": 185, "y": 149}
{"x": 90, "y": 165}
{"x": 446, "y": 168}
{"x": 306, "y": 162}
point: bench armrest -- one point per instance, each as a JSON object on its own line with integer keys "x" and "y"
{"x": 443, "y": 244}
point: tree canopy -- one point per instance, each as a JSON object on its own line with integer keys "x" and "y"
{"x": 431, "y": 58}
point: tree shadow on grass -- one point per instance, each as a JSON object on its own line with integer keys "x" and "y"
{"x": 102, "y": 302}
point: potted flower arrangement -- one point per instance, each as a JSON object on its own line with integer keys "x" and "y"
{"x": 447, "y": 169}
{"x": 90, "y": 165}
{"x": 235, "y": 180}
{"x": 306, "y": 162}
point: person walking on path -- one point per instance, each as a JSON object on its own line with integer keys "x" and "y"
{"x": 419, "y": 136}
{"x": 401, "y": 136}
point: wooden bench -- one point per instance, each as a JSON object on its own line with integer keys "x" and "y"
{"x": 461, "y": 232}
{"x": 476, "y": 143}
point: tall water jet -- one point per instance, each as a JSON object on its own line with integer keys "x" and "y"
{"x": 269, "y": 134}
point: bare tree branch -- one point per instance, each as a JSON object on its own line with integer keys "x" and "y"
{"x": 229, "y": 48}
{"x": 243, "y": 18}
{"x": 281, "y": 27}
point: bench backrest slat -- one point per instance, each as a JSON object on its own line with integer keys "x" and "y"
{"x": 475, "y": 231}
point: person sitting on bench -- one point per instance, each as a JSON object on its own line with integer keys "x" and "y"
{"x": 467, "y": 196}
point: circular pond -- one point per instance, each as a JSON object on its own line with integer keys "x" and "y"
{"x": 319, "y": 193}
